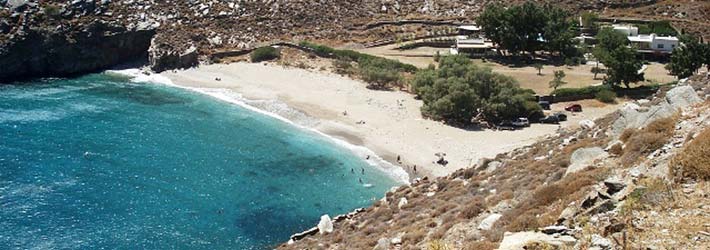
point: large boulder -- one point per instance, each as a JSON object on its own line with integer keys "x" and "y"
{"x": 325, "y": 225}
{"x": 584, "y": 157}
{"x": 165, "y": 57}
{"x": 487, "y": 223}
{"x": 517, "y": 241}
{"x": 682, "y": 96}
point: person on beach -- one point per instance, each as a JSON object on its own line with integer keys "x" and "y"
{"x": 368, "y": 157}
{"x": 399, "y": 159}
{"x": 415, "y": 168}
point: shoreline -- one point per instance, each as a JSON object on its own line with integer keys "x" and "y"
{"x": 387, "y": 123}
{"x": 397, "y": 174}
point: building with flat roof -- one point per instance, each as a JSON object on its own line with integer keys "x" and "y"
{"x": 654, "y": 44}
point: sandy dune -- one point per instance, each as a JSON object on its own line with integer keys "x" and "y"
{"x": 393, "y": 125}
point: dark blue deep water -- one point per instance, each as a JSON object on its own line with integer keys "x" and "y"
{"x": 99, "y": 162}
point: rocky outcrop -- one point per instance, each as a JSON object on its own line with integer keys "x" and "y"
{"x": 636, "y": 116}
{"x": 163, "y": 57}
{"x": 519, "y": 241}
{"x": 38, "y": 52}
{"x": 584, "y": 157}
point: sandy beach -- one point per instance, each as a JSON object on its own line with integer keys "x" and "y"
{"x": 387, "y": 122}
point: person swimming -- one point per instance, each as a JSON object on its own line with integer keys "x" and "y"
{"x": 363, "y": 170}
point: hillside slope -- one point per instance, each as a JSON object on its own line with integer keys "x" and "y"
{"x": 636, "y": 179}
{"x": 188, "y": 30}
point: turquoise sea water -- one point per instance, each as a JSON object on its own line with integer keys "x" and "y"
{"x": 98, "y": 162}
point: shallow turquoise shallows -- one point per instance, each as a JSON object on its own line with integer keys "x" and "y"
{"x": 98, "y": 162}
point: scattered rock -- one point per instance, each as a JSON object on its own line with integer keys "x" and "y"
{"x": 488, "y": 222}
{"x": 516, "y": 241}
{"x": 601, "y": 242}
{"x": 584, "y": 157}
{"x": 325, "y": 225}
{"x": 587, "y": 124}
{"x": 403, "y": 201}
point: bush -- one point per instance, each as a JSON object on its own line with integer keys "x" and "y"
{"x": 606, "y": 96}
{"x": 646, "y": 140}
{"x": 52, "y": 11}
{"x": 380, "y": 78}
{"x": 343, "y": 67}
{"x": 320, "y": 50}
{"x": 473, "y": 208}
{"x": 265, "y": 54}
{"x": 694, "y": 160}
{"x": 661, "y": 28}
{"x": 458, "y": 91}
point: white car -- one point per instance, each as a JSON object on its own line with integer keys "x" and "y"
{"x": 521, "y": 122}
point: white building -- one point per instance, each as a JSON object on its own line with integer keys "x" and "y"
{"x": 470, "y": 40}
{"x": 654, "y": 44}
{"x": 628, "y": 30}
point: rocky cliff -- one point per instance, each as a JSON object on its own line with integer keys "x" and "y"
{"x": 187, "y": 32}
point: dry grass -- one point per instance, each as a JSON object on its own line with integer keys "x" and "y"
{"x": 481, "y": 245}
{"x": 640, "y": 142}
{"x": 694, "y": 161}
{"x": 652, "y": 193}
{"x": 534, "y": 211}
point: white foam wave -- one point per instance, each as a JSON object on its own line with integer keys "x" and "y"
{"x": 278, "y": 111}
{"x": 30, "y": 115}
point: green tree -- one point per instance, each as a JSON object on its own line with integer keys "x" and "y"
{"x": 458, "y": 91}
{"x": 557, "y": 32}
{"x": 688, "y": 57}
{"x": 558, "y": 81}
{"x": 538, "y": 67}
{"x": 494, "y": 23}
{"x": 589, "y": 22}
{"x": 608, "y": 40}
{"x": 623, "y": 67}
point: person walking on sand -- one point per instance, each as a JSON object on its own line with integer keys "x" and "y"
{"x": 415, "y": 168}
{"x": 399, "y": 159}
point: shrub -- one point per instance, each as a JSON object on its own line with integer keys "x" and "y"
{"x": 379, "y": 77}
{"x": 473, "y": 208}
{"x": 265, "y": 54}
{"x": 694, "y": 160}
{"x": 651, "y": 192}
{"x": 606, "y": 96}
{"x": 52, "y": 10}
{"x": 320, "y": 50}
{"x": 481, "y": 245}
{"x": 646, "y": 140}
{"x": 343, "y": 67}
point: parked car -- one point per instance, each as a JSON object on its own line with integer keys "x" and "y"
{"x": 544, "y": 105}
{"x": 521, "y": 122}
{"x": 574, "y": 108}
{"x": 561, "y": 116}
{"x": 505, "y": 125}
{"x": 550, "y": 119}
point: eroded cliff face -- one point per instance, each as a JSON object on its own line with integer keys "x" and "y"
{"x": 40, "y": 52}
